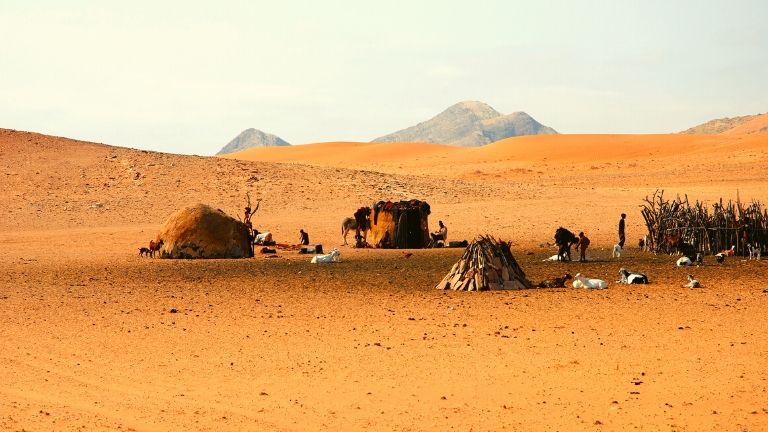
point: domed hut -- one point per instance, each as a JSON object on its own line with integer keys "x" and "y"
{"x": 399, "y": 225}
{"x": 487, "y": 264}
{"x": 201, "y": 231}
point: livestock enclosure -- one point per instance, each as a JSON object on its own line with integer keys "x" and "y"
{"x": 727, "y": 224}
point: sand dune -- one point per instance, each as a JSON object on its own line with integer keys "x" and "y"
{"x": 88, "y": 339}
{"x": 513, "y": 152}
{"x": 758, "y": 124}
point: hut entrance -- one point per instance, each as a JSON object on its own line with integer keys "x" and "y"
{"x": 400, "y": 225}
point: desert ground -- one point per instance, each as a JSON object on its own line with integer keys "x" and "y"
{"x": 94, "y": 337}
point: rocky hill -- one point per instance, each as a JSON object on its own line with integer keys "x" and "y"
{"x": 252, "y": 138}
{"x": 469, "y": 124}
{"x": 757, "y": 123}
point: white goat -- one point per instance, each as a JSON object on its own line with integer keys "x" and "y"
{"x": 684, "y": 261}
{"x": 263, "y": 237}
{"x": 616, "y": 251}
{"x": 333, "y": 256}
{"x": 579, "y": 281}
{"x": 692, "y": 283}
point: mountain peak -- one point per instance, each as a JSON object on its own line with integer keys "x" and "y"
{"x": 480, "y": 109}
{"x": 252, "y": 138}
{"x": 469, "y": 124}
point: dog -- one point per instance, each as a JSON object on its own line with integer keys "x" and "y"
{"x": 144, "y": 251}
{"x": 616, "y": 251}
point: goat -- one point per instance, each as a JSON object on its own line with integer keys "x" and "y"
{"x": 144, "y": 251}
{"x": 729, "y": 252}
{"x": 645, "y": 243}
{"x": 616, "y": 251}
{"x": 564, "y": 239}
{"x": 687, "y": 249}
{"x": 720, "y": 257}
{"x": 262, "y": 237}
{"x": 673, "y": 242}
{"x": 557, "y": 282}
{"x": 684, "y": 261}
{"x": 333, "y": 256}
{"x": 692, "y": 283}
{"x": 754, "y": 251}
{"x": 629, "y": 277}
{"x": 154, "y": 247}
{"x": 580, "y": 281}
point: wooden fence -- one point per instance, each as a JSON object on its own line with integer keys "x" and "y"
{"x": 725, "y": 225}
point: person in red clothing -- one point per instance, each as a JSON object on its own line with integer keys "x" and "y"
{"x": 581, "y": 245}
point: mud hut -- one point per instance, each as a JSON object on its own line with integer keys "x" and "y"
{"x": 399, "y": 225}
{"x": 487, "y": 264}
{"x": 200, "y": 231}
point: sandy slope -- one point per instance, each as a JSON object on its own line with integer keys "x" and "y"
{"x": 758, "y": 124}
{"x": 89, "y": 342}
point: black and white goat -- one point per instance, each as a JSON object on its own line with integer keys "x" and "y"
{"x": 754, "y": 251}
{"x": 720, "y": 257}
{"x": 630, "y": 277}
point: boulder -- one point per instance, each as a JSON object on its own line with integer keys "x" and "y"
{"x": 201, "y": 231}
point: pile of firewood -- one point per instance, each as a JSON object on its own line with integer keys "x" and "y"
{"x": 487, "y": 264}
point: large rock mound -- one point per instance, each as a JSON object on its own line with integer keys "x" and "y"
{"x": 250, "y": 138}
{"x": 469, "y": 124}
{"x": 757, "y": 123}
{"x": 201, "y": 231}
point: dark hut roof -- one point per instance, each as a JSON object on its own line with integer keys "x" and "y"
{"x": 402, "y": 205}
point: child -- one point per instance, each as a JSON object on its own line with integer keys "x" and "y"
{"x": 581, "y": 245}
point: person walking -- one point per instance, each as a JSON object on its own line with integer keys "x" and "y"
{"x": 581, "y": 245}
{"x": 621, "y": 230}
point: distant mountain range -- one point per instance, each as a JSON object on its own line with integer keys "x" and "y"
{"x": 749, "y": 124}
{"x": 250, "y": 138}
{"x": 469, "y": 124}
{"x": 465, "y": 124}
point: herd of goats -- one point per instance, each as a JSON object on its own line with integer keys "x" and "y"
{"x": 674, "y": 243}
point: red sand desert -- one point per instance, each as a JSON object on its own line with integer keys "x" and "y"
{"x": 89, "y": 340}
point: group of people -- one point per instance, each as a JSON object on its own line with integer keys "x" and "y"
{"x": 440, "y": 236}
{"x": 582, "y": 242}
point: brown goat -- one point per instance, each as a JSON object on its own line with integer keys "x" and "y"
{"x": 154, "y": 247}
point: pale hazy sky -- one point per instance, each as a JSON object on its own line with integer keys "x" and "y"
{"x": 185, "y": 78}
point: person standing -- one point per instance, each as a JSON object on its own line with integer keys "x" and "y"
{"x": 581, "y": 245}
{"x": 621, "y": 230}
{"x": 303, "y": 237}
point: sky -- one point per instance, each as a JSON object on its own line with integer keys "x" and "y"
{"x": 187, "y": 77}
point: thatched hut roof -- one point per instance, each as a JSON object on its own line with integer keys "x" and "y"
{"x": 200, "y": 231}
